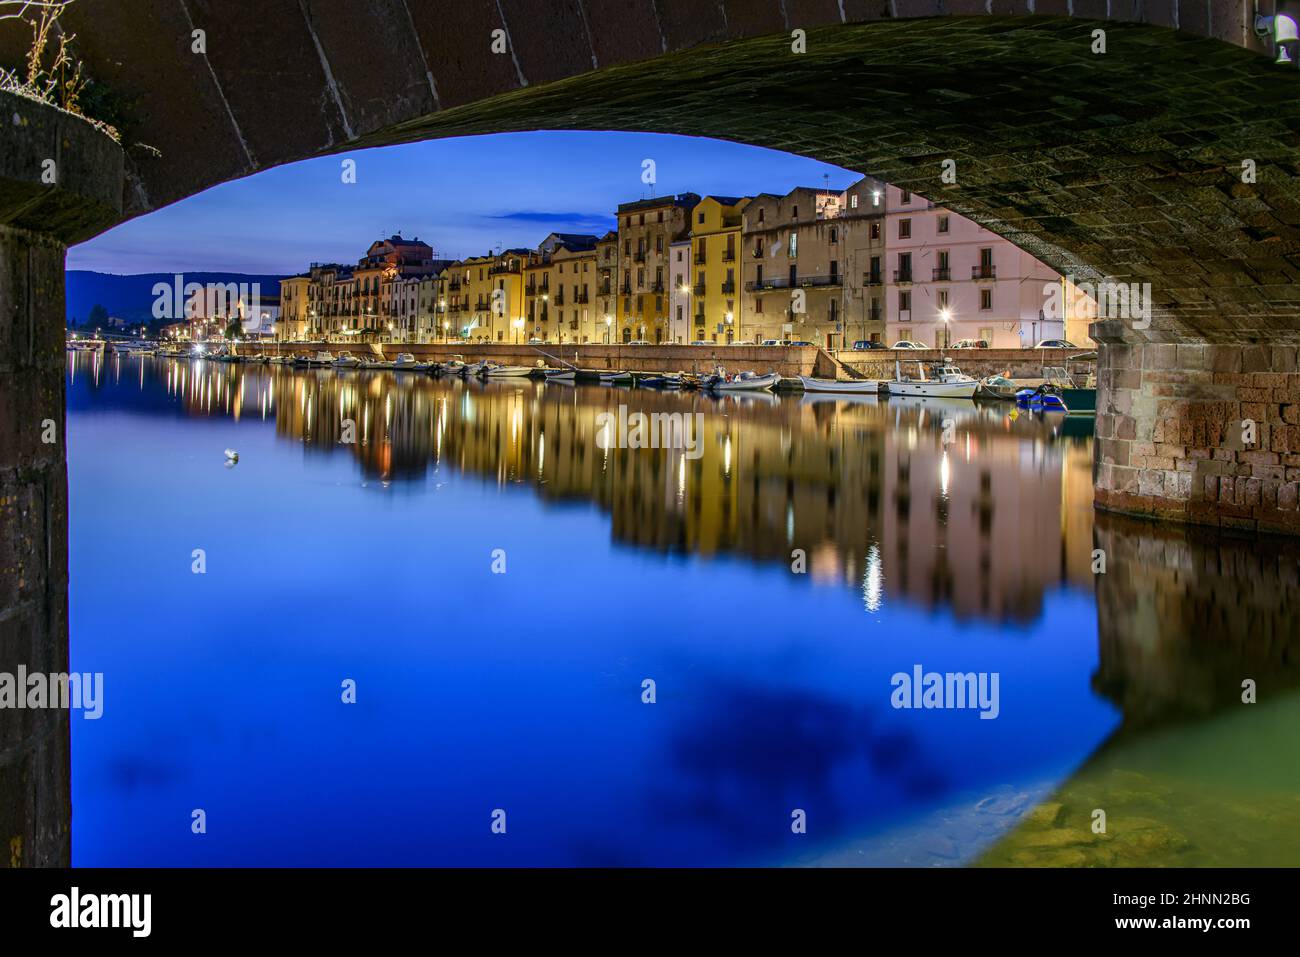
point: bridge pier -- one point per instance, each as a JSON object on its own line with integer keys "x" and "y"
{"x": 60, "y": 180}
{"x": 1198, "y": 432}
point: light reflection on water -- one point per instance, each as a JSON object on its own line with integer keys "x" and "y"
{"x": 947, "y": 534}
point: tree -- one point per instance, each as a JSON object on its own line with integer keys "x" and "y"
{"x": 98, "y": 317}
{"x": 234, "y": 329}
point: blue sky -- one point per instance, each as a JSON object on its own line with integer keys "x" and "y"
{"x": 462, "y": 196}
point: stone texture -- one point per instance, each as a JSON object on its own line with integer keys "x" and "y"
{"x": 36, "y": 219}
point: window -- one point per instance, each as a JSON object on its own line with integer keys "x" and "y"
{"x": 641, "y": 220}
{"x": 943, "y": 224}
{"x": 794, "y": 212}
{"x": 905, "y": 335}
{"x": 875, "y": 230}
{"x": 701, "y": 218}
{"x": 906, "y": 197}
{"x": 793, "y": 249}
{"x": 905, "y": 304}
{"x": 943, "y": 299}
{"x": 758, "y": 249}
{"x": 853, "y": 201}
{"x": 760, "y": 215}
{"x": 986, "y": 333}
{"x": 986, "y": 300}
{"x": 758, "y": 305}
{"x": 835, "y": 235}
{"x": 904, "y": 229}
{"x": 679, "y": 255}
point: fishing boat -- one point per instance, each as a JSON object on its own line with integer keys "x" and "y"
{"x": 618, "y": 378}
{"x": 407, "y": 362}
{"x": 997, "y": 387}
{"x": 744, "y": 382}
{"x": 1045, "y": 398}
{"x": 945, "y": 381}
{"x": 561, "y": 375}
{"x": 346, "y": 360}
{"x": 852, "y": 386}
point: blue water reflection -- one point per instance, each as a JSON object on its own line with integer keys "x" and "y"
{"x": 952, "y": 537}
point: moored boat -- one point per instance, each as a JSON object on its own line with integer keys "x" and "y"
{"x": 346, "y": 360}
{"x": 853, "y": 386}
{"x": 997, "y": 387}
{"x": 1045, "y": 398}
{"x": 744, "y": 382}
{"x": 945, "y": 381}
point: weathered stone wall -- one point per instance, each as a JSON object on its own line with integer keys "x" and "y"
{"x": 1175, "y": 424}
{"x": 37, "y": 219}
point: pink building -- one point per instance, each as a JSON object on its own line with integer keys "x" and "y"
{"x": 948, "y": 278}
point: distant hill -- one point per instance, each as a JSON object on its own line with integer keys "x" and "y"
{"x": 132, "y": 298}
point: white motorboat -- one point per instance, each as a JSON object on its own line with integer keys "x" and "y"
{"x": 408, "y": 362}
{"x": 346, "y": 360}
{"x": 745, "y": 382}
{"x": 322, "y": 358}
{"x": 945, "y": 381}
{"x": 494, "y": 371}
{"x": 849, "y": 386}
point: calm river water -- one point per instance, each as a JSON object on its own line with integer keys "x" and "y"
{"x": 499, "y": 589}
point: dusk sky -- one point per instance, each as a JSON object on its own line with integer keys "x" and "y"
{"x": 462, "y": 196}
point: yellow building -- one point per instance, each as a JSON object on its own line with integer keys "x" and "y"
{"x": 715, "y": 269}
{"x": 492, "y": 296}
{"x": 560, "y": 280}
{"x": 295, "y": 306}
{"x": 604, "y": 292}
{"x": 646, "y": 230}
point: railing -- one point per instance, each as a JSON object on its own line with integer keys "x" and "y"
{"x": 581, "y": 299}
{"x": 657, "y": 286}
{"x": 699, "y": 288}
{"x": 729, "y": 288}
{"x": 902, "y": 275}
{"x": 984, "y": 272}
{"x": 639, "y": 256}
{"x": 871, "y": 279}
{"x": 701, "y": 258}
{"x": 729, "y": 256}
{"x": 559, "y": 297}
{"x": 942, "y": 274}
{"x": 775, "y": 283}
{"x": 832, "y": 280}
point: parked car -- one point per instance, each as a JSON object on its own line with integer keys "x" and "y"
{"x": 1056, "y": 344}
{"x": 798, "y": 342}
{"x": 970, "y": 344}
{"x": 742, "y": 342}
{"x": 908, "y": 344}
{"x": 701, "y": 342}
{"x": 865, "y": 345}
{"x": 775, "y": 342}
{"x": 637, "y": 342}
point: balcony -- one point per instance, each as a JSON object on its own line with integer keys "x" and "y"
{"x": 729, "y": 288}
{"x": 626, "y": 288}
{"x": 871, "y": 279}
{"x": 832, "y": 280}
{"x": 698, "y": 289}
{"x": 657, "y": 286}
{"x": 530, "y": 289}
{"x": 581, "y": 299}
{"x": 729, "y": 256}
{"x": 903, "y": 275}
{"x": 701, "y": 259}
{"x": 761, "y": 284}
{"x": 941, "y": 274}
{"x": 559, "y": 297}
{"x": 606, "y": 289}
{"x": 984, "y": 272}
{"x": 640, "y": 256}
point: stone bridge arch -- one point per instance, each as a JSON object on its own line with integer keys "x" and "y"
{"x": 1124, "y": 164}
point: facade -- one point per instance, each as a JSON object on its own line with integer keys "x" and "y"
{"x": 951, "y": 279}
{"x": 680, "y": 329}
{"x": 294, "y": 308}
{"x": 492, "y": 296}
{"x": 559, "y": 281}
{"x": 646, "y": 229}
{"x": 605, "y": 308}
{"x": 715, "y": 312}
{"x": 812, "y": 261}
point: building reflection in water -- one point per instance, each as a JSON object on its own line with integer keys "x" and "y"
{"x": 953, "y": 507}
{"x": 939, "y": 504}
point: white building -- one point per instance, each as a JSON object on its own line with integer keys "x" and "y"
{"x": 679, "y": 297}
{"x": 948, "y": 278}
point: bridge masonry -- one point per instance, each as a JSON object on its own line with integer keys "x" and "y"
{"x": 38, "y": 219}
{"x": 1196, "y": 432}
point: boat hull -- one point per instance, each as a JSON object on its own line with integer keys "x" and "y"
{"x": 935, "y": 390}
{"x": 848, "y": 386}
{"x": 759, "y": 383}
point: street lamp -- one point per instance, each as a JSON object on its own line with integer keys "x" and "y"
{"x": 946, "y": 314}
{"x": 609, "y": 321}
{"x": 518, "y": 324}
